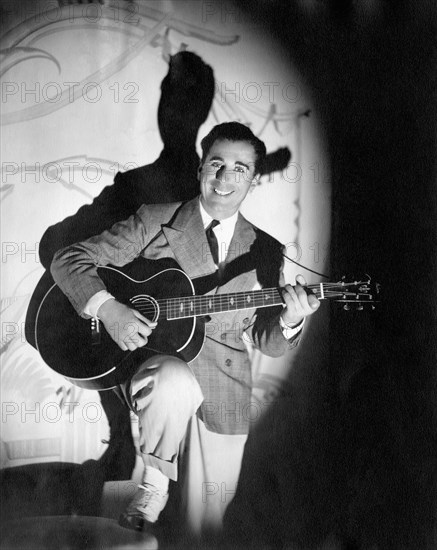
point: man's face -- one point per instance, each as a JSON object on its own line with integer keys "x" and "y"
{"x": 226, "y": 176}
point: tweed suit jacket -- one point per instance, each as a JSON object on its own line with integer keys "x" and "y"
{"x": 176, "y": 231}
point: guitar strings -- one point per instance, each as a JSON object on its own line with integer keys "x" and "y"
{"x": 254, "y": 294}
{"x": 171, "y": 307}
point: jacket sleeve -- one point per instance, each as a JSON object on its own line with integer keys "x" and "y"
{"x": 266, "y": 333}
{"x": 267, "y": 336}
{"x": 74, "y": 268}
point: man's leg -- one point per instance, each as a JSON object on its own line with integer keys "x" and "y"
{"x": 118, "y": 461}
{"x": 165, "y": 394}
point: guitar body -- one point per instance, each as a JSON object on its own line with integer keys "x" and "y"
{"x": 81, "y": 349}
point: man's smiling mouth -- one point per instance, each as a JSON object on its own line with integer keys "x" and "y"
{"x": 222, "y": 193}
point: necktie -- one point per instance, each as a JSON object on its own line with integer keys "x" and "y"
{"x": 212, "y": 240}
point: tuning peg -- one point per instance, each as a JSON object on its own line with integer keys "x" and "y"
{"x": 346, "y": 307}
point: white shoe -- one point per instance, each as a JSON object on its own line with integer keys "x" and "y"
{"x": 144, "y": 509}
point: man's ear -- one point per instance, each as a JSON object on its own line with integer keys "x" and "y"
{"x": 199, "y": 169}
{"x": 255, "y": 181}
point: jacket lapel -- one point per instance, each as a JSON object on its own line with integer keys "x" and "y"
{"x": 187, "y": 239}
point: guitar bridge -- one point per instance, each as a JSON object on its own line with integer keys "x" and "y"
{"x": 95, "y": 331}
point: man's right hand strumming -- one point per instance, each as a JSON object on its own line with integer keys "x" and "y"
{"x": 127, "y": 327}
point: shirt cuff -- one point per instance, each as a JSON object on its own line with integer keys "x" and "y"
{"x": 93, "y": 304}
{"x": 289, "y": 332}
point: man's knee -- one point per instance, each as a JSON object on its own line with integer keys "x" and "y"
{"x": 175, "y": 373}
{"x": 167, "y": 374}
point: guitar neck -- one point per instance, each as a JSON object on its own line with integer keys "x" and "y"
{"x": 196, "y": 306}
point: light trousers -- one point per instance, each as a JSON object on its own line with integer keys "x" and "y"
{"x": 165, "y": 394}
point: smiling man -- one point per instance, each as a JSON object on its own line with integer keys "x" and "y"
{"x": 222, "y": 253}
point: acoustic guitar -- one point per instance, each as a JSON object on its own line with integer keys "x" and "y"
{"x": 84, "y": 352}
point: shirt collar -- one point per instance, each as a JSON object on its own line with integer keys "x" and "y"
{"x": 227, "y": 224}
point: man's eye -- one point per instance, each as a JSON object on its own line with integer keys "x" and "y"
{"x": 239, "y": 169}
{"x": 215, "y": 164}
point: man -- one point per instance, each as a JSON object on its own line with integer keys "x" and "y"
{"x": 231, "y": 256}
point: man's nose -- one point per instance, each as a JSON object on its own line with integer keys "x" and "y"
{"x": 225, "y": 175}
{"x": 221, "y": 173}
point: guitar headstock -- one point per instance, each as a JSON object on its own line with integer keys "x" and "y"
{"x": 358, "y": 294}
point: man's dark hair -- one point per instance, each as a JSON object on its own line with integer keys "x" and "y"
{"x": 235, "y": 131}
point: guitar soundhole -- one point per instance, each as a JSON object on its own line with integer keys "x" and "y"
{"x": 146, "y": 305}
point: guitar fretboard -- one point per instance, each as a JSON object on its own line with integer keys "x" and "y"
{"x": 193, "y": 306}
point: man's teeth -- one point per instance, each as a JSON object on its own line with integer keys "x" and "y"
{"x": 222, "y": 193}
